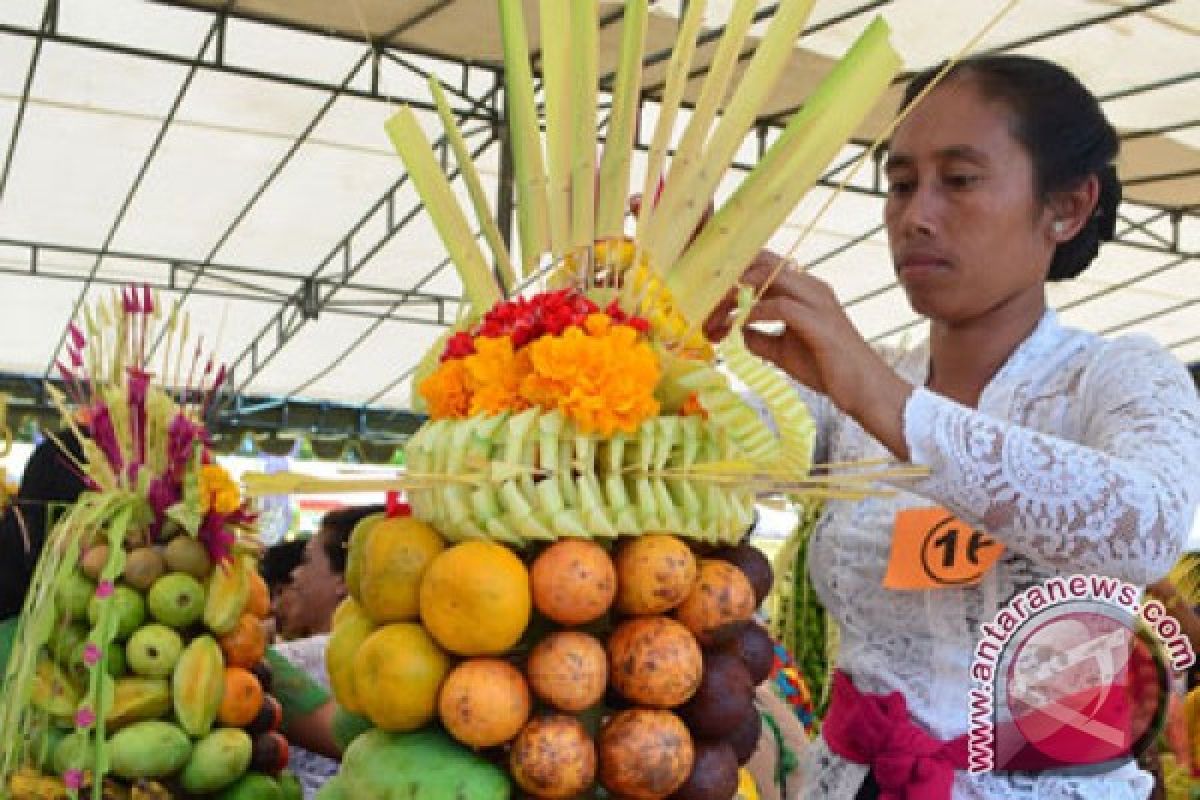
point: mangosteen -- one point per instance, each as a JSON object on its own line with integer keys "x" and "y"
{"x": 724, "y": 698}
{"x": 744, "y": 739}
{"x": 753, "y": 645}
{"x": 714, "y": 774}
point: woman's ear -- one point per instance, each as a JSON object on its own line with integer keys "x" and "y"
{"x": 1068, "y": 210}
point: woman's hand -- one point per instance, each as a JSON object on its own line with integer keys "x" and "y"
{"x": 820, "y": 347}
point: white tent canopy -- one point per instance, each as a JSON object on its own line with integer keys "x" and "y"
{"x": 233, "y": 154}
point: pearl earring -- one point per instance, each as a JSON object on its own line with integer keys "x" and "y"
{"x": 1059, "y": 226}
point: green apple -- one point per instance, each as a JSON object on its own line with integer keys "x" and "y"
{"x": 153, "y": 650}
{"x": 176, "y": 599}
{"x": 131, "y": 610}
{"x": 74, "y": 594}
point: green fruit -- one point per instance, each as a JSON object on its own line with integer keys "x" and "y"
{"x": 347, "y": 727}
{"x": 114, "y": 661}
{"x": 45, "y": 744}
{"x": 254, "y": 786}
{"x": 422, "y": 765}
{"x": 93, "y": 561}
{"x": 334, "y": 789}
{"x": 176, "y": 599}
{"x": 355, "y": 550}
{"x": 150, "y": 749}
{"x": 290, "y": 786}
{"x": 74, "y": 594}
{"x": 71, "y": 753}
{"x": 130, "y": 610}
{"x": 219, "y": 759}
{"x": 187, "y": 555}
{"x": 143, "y": 567}
{"x": 153, "y": 650}
{"x": 64, "y": 646}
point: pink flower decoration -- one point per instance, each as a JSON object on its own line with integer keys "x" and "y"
{"x": 73, "y": 778}
{"x": 104, "y": 589}
{"x": 85, "y": 718}
{"x": 91, "y": 654}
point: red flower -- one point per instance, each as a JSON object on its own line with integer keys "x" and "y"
{"x": 460, "y": 345}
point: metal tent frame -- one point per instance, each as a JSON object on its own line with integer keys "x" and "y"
{"x": 333, "y": 286}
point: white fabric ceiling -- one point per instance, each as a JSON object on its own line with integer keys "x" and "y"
{"x": 100, "y": 182}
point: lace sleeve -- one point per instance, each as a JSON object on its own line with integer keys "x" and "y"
{"x": 1119, "y": 502}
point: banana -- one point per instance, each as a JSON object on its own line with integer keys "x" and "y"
{"x": 197, "y": 684}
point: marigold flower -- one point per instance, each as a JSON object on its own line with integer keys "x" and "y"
{"x": 602, "y": 376}
{"x": 445, "y": 390}
{"x": 218, "y": 492}
{"x": 495, "y": 372}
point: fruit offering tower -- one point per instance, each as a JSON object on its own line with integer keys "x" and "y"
{"x": 137, "y": 670}
{"x": 569, "y": 609}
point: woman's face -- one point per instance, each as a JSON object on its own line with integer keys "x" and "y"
{"x": 967, "y": 232}
{"x": 306, "y": 605}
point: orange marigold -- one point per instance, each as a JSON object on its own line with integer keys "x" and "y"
{"x": 602, "y": 376}
{"x": 445, "y": 390}
{"x": 494, "y": 375}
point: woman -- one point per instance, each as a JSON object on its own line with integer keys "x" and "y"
{"x": 1076, "y": 454}
{"x": 305, "y": 614}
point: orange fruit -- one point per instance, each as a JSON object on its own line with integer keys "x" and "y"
{"x": 242, "y": 698}
{"x": 573, "y": 581}
{"x": 398, "y": 670}
{"x": 394, "y": 557}
{"x": 720, "y": 604}
{"x": 484, "y": 702}
{"x": 654, "y": 661}
{"x": 246, "y": 644}
{"x": 568, "y": 670}
{"x": 655, "y": 573}
{"x": 258, "y": 601}
{"x": 475, "y": 599}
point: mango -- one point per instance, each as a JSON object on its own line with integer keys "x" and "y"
{"x": 197, "y": 684}
{"x": 228, "y": 591}
{"x": 219, "y": 759}
{"x": 149, "y": 749}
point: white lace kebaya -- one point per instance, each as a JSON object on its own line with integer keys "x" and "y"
{"x": 1082, "y": 457}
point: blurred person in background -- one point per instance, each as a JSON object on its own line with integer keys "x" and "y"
{"x": 304, "y": 615}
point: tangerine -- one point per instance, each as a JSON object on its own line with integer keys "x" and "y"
{"x": 475, "y": 599}
{"x": 241, "y": 699}
{"x": 246, "y": 644}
